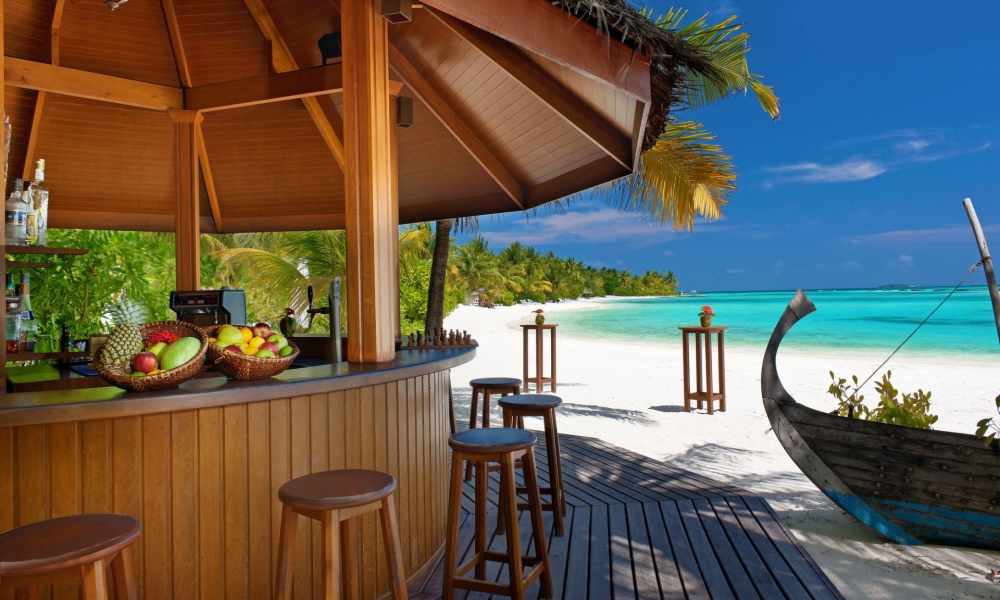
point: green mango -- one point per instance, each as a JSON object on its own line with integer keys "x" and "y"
{"x": 179, "y": 352}
{"x": 286, "y": 351}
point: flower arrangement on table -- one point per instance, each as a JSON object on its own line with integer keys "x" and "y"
{"x": 539, "y": 317}
{"x": 706, "y": 315}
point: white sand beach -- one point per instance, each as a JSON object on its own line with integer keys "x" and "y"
{"x": 630, "y": 395}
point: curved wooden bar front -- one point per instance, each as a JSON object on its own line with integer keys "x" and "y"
{"x": 200, "y": 467}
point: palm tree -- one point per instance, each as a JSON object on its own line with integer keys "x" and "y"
{"x": 684, "y": 175}
{"x": 439, "y": 266}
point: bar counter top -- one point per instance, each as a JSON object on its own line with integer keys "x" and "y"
{"x": 58, "y": 406}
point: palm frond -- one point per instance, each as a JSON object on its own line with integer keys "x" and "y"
{"x": 724, "y": 72}
{"x": 682, "y": 177}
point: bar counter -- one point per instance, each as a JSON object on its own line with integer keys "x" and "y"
{"x": 200, "y": 467}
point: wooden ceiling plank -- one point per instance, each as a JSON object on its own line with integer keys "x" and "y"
{"x": 272, "y": 88}
{"x": 206, "y": 172}
{"x": 556, "y": 96}
{"x": 180, "y": 58}
{"x": 456, "y": 125}
{"x": 283, "y": 61}
{"x": 93, "y": 86}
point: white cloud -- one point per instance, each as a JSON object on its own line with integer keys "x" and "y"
{"x": 583, "y": 227}
{"x": 912, "y": 145}
{"x": 668, "y": 253}
{"x": 941, "y": 235}
{"x": 903, "y": 258}
{"x": 736, "y": 271}
{"x": 853, "y": 169}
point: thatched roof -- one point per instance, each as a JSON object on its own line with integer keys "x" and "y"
{"x": 627, "y": 24}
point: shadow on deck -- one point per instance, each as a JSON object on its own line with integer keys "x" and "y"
{"x": 637, "y": 528}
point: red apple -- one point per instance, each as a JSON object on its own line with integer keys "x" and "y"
{"x": 270, "y": 346}
{"x": 144, "y": 362}
{"x": 262, "y": 330}
{"x": 234, "y": 349}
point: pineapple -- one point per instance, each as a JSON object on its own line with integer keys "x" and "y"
{"x": 125, "y": 340}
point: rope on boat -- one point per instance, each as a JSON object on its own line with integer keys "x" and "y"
{"x": 972, "y": 270}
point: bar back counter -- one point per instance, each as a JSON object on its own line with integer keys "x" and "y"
{"x": 200, "y": 467}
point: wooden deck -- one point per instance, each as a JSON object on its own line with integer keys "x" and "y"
{"x": 637, "y": 528}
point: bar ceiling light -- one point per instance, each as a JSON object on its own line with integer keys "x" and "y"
{"x": 397, "y": 11}
{"x": 404, "y": 111}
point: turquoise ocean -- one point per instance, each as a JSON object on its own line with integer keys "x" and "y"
{"x": 869, "y": 322}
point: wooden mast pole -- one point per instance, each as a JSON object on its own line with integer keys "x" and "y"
{"x": 372, "y": 240}
{"x": 984, "y": 253}
{"x": 187, "y": 221}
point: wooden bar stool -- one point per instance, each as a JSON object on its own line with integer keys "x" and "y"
{"x": 515, "y": 408}
{"x": 486, "y": 386}
{"x": 73, "y": 548}
{"x": 504, "y": 446}
{"x": 334, "y": 498}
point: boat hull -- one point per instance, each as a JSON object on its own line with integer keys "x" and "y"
{"x": 914, "y": 486}
{"x": 911, "y": 485}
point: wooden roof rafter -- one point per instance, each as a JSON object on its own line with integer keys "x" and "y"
{"x": 591, "y": 125}
{"x": 283, "y": 61}
{"x": 426, "y": 93}
{"x": 36, "y": 120}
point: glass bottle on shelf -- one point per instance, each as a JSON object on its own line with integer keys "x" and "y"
{"x": 66, "y": 340}
{"x": 29, "y": 326}
{"x": 13, "y": 323}
{"x": 40, "y": 202}
{"x": 30, "y": 218}
{"x": 15, "y": 217}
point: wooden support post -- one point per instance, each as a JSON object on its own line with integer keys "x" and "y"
{"x": 394, "y": 158}
{"x": 371, "y": 239}
{"x": 187, "y": 226}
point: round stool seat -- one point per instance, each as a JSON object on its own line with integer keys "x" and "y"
{"x": 63, "y": 543}
{"x": 332, "y": 490}
{"x": 493, "y": 383}
{"x": 492, "y": 439}
{"x": 530, "y": 401}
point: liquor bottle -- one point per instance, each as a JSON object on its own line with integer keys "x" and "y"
{"x": 66, "y": 341}
{"x": 10, "y": 285}
{"x": 13, "y": 324}
{"x": 14, "y": 217}
{"x": 30, "y": 218}
{"x": 29, "y": 326}
{"x": 40, "y": 201}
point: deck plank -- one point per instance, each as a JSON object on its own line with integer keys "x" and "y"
{"x": 639, "y": 529}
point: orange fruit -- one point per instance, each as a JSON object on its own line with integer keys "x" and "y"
{"x": 256, "y": 342}
{"x": 247, "y": 334}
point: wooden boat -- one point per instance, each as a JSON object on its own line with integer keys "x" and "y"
{"x": 914, "y": 486}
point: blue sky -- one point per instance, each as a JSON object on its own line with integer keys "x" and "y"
{"x": 890, "y": 117}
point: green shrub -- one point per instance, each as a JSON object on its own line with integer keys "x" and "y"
{"x": 908, "y": 410}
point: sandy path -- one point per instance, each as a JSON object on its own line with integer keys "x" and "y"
{"x": 630, "y": 395}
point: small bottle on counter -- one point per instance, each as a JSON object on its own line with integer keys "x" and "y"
{"x": 12, "y": 321}
{"x": 30, "y": 229}
{"x": 66, "y": 340}
{"x": 29, "y": 326}
{"x": 15, "y": 217}
{"x": 15, "y": 334}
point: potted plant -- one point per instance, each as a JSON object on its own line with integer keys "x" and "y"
{"x": 706, "y": 315}
{"x": 539, "y": 317}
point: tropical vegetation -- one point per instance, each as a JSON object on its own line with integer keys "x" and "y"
{"x": 276, "y": 270}
{"x": 908, "y": 410}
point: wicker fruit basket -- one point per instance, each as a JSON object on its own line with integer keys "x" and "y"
{"x": 166, "y": 379}
{"x": 244, "y": 367}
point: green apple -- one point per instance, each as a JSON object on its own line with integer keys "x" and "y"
{"x": 286, "y": 351}
{"x": 265, "y": 354}
{"x": 229, "y": 335}
{"x": 279, "y": 340}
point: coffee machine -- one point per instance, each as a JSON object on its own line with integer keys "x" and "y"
{"x": 210, "y": 307}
